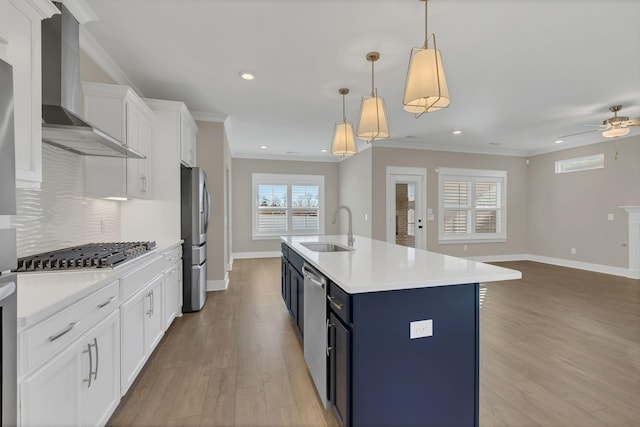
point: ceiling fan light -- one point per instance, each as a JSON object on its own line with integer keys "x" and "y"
{"x": 344, "y": 143}
{"x": 615, "y": 132}
{"x": 426, "y": 86}
{"x": 373, "y": 119}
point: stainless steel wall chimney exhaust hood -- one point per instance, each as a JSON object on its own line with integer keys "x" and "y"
{"x": 61, "y": 91}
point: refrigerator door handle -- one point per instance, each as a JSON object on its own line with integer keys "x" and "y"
{"x": 207, "y": 199}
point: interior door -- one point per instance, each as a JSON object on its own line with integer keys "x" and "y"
{"x": 405, "y": 209}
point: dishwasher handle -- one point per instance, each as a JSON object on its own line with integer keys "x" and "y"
{"x": 313, "y": 276}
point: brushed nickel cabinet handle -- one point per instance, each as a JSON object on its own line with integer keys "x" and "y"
{"x": 62, "y": 332}
{"x": 88, "y": 350}
{"x": 333, "y": 303}
{"x": 107, "y": 302}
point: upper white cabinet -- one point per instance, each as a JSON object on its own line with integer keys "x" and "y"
{"x": 23, "y": 19}
{"x": 120, "y": 112}
{"x": 188, "y": 135}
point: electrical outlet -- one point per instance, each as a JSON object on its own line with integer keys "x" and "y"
{"x": 610, "y": 217}
{"x": 465, "y": 247}
{"x": 573, "y": 251}
{"x": 421, "y": 329}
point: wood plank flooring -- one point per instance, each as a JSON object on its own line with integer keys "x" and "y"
{"x": 559, "y": 348}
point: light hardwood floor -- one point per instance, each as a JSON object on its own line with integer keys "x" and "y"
{"x": 559, "y": 348}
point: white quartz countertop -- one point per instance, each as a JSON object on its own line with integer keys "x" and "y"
{"x": 41, "y": 294}
{"x": 376, "y": 266}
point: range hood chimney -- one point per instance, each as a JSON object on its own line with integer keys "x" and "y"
{"x": 61, "y": 91}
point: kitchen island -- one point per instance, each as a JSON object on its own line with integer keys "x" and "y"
{"x": 402, "y": 326}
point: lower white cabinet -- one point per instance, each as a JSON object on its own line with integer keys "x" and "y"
{"x": 142, "y": 328}
{"x": 80, "y": 386}
{"x": 172, "y": 293}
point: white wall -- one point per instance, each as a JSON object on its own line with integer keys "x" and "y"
{"x": 355, "y": 191}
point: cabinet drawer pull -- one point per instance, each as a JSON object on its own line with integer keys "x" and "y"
{"x": 333, "y": 303}
{"x": 62, "y": 332}
{"x": 107, "y": 302}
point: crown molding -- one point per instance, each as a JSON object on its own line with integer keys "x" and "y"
{"x": 44, "y": 8}
{"x": 92, "y": 48}
{"x": 80, "y": 10}
{"x": 285, "y": 157}
{"x": 204, "y": 116}
{"x": 450, "y": 148}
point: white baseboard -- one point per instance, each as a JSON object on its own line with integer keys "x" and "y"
{"x": 218, "y": 285}
{"x": 263, "y": 254}
{"x": 500, "y": 258}
{"x": 597, "y": 268}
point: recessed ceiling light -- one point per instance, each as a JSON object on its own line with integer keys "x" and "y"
{"x": 247, "y": 76}
{"x": 457, "y": 132}
{"x": 558, "y": 141}
{"x": 324, "y": 150}
{"x": 264, "y": 147}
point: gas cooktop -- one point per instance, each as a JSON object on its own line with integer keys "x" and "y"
{"x": 92, "y": 255}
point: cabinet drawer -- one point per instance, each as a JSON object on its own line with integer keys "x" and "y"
{"x": 55, "y": 333}
{"x": 285, "y": 250}
{"x": 339, "y": 302}
{"x": 296, "y": 260}
{"x": 139, "y": 278}
{"x": 172, "y": 257}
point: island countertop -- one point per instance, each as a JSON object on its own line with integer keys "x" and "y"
{"x": 376, "y": 266}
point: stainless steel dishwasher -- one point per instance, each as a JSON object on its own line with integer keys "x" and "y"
{"x": 315, "y": 328}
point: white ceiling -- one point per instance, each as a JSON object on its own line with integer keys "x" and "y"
{"x": 520, "y": 73}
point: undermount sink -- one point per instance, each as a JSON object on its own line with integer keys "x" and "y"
{"x": 325, "y": 247}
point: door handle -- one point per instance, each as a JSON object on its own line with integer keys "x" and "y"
{"x": 95, "y": 374}
{"x": 88, "y": 350}
{"x": 329, "y": 325}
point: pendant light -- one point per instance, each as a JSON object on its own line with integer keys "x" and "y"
{"x": 373, "y": 116}
{"x": 344, "y": 143}
{"x": 426, "y": 87}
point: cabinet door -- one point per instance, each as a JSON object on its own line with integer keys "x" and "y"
{"x": 293, "y": 288}
{"x": 153, "y": 324}
{"x": 51, "y": 395}
{"x": 300, "y": 294}
{"x": 340, "y": 369}
{"x": 283, "y": 279}
{"x": 188, "y": 137}
{"x": 100, "y": 397}
{"x": 24, "y": 55}
{"x": 132, "y": 320}
{"x": 172, "y": 294}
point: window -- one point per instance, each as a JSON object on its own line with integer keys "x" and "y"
{"x": 580, "y": 164}
{"x": 472, "y": 205}
{"x": 287, "y": 204}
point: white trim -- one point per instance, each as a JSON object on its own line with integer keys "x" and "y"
{"x": 324, "y": 158}
{"x": 218, "y": 285}
{"x": 262, "y": 254}
{"x": 92, "y": 48}
{"x": 388, "y": 143}
{"x": 454, "y": 240}
{"x": 203, "y": 116}
{"x": 401, "y": 173}
{"x": 579, "y": 265}
{"x": 44, "y": 8}
{"x": 634, "y": 237}
{"x": 500, "y": 258}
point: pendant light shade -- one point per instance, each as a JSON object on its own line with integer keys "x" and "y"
{"x": 373, "y": 119}
{"x": 372, "y": 125}
{"x": 615, "y": 132}
{"x": 344, "y": 143}
{"x": 426, "y": 87}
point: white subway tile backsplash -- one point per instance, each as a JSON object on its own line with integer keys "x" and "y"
{"x": 58, "y": 215}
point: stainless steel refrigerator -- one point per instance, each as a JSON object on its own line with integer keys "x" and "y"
{"x": 8, "y": 280}
{"x": 195, "y": 211}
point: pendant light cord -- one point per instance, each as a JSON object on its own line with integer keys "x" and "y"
{"x": 344, "y": 115}
{"x": 426, "y": 32}
{"x": 372, "y": 84}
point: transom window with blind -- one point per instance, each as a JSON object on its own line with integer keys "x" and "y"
{"x": 472, "y": 205}
{"x": 287, "y": 204}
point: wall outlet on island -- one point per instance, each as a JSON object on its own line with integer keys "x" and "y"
{"x": 421, "y": 329}
{"x": 573, "y": 251}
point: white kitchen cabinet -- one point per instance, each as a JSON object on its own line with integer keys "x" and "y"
{"x": 172, "y": 293}
{"x": 23, "y": 19}
{"x": 141, "y": 330}
{"x": 119, "y": 111}
{"x": 80, "y": 386}
{"x": 188, "y": 137}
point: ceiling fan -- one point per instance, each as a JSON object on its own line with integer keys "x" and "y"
{"x": 612, "y": 127}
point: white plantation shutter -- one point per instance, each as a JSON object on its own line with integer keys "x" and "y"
{"x": 472, "y": 205}
{"x": 304, "y": 208}
{"x": 287, "y": 204}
